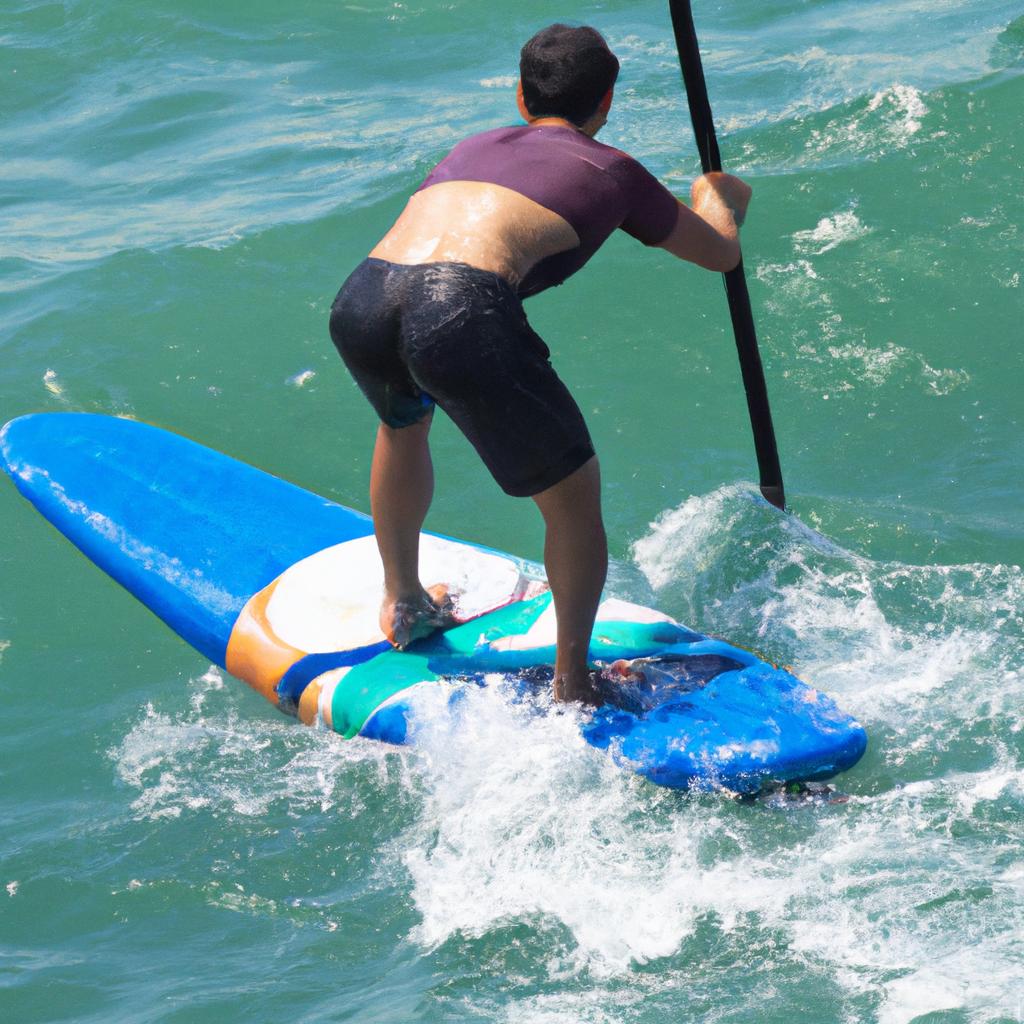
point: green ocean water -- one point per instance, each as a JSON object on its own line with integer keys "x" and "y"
{"x": 184, "y": 186}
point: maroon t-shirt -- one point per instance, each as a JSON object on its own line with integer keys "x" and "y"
{"x": 594, "y": 187}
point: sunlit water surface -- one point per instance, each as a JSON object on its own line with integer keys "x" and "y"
{"x": 184, "y": 186}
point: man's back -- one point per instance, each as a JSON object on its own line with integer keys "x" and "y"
{"x": 577, "y": 192}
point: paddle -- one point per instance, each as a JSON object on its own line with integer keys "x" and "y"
{"x": 735, "y": 279}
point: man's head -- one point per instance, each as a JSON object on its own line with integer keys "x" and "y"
{"x": 566, "y": 72}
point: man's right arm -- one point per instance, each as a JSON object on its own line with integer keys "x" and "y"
{"x": 708, "y": 233}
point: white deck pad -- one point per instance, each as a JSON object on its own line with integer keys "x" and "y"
{"x": 330, "y": 600}
{"x": 543, "y": 632}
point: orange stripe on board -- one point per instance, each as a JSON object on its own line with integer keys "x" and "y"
{"x": 309, "y": 705}
{"x": 257, "y": 655}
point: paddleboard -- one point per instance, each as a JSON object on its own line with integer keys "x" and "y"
{"x": 280, "y": 587}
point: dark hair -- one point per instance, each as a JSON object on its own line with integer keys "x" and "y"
{"x": 566, "y": 72}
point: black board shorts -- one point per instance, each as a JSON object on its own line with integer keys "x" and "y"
{"x": 457, "y": 336}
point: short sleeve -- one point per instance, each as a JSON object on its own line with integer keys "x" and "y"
{"x": 652, "y": 209}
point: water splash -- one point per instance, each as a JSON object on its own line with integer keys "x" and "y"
{"x": 216, "y": 757}
{"x": 829, "y": 233}
{"x": 503, "y": 822}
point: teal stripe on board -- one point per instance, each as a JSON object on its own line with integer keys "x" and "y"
{"x": 365, "y": 687}
{"x": 184, "y": 186}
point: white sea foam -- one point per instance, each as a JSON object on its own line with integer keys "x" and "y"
{"x": 905, "y": 887}
{"x": 523, "y": 821}
{"x": 224, "y": 760}
{"x": 892, "y": 119}
{"x": 508, "y": 819}
{"x": 500, "y": 82}
{"x": 833, "y": 362}
{"x": 53, "y": 385}
{"x": 830, "y": 232}
{"x": 870, "y": 892}
{"x": 685, "y": 540}
{"x": 877, "y": 364}
{"x": 907, "y": 104}
{"x": 520, "y": 821}
{"x": 793, "y": 284}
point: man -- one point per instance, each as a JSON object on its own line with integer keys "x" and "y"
{"x": 434, "y": 316}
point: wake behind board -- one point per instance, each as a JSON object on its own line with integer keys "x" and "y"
{"x": 281, "y": 587}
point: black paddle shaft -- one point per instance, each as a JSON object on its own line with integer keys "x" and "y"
{"x": 735, "y": 279}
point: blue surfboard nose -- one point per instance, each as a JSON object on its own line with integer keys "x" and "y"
{"x": 190, "y": 532}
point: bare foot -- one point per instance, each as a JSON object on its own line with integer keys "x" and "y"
{"x": 619, "y": 671}
{"x": 404, "y": 620}
{"x": 577, "y": 688}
